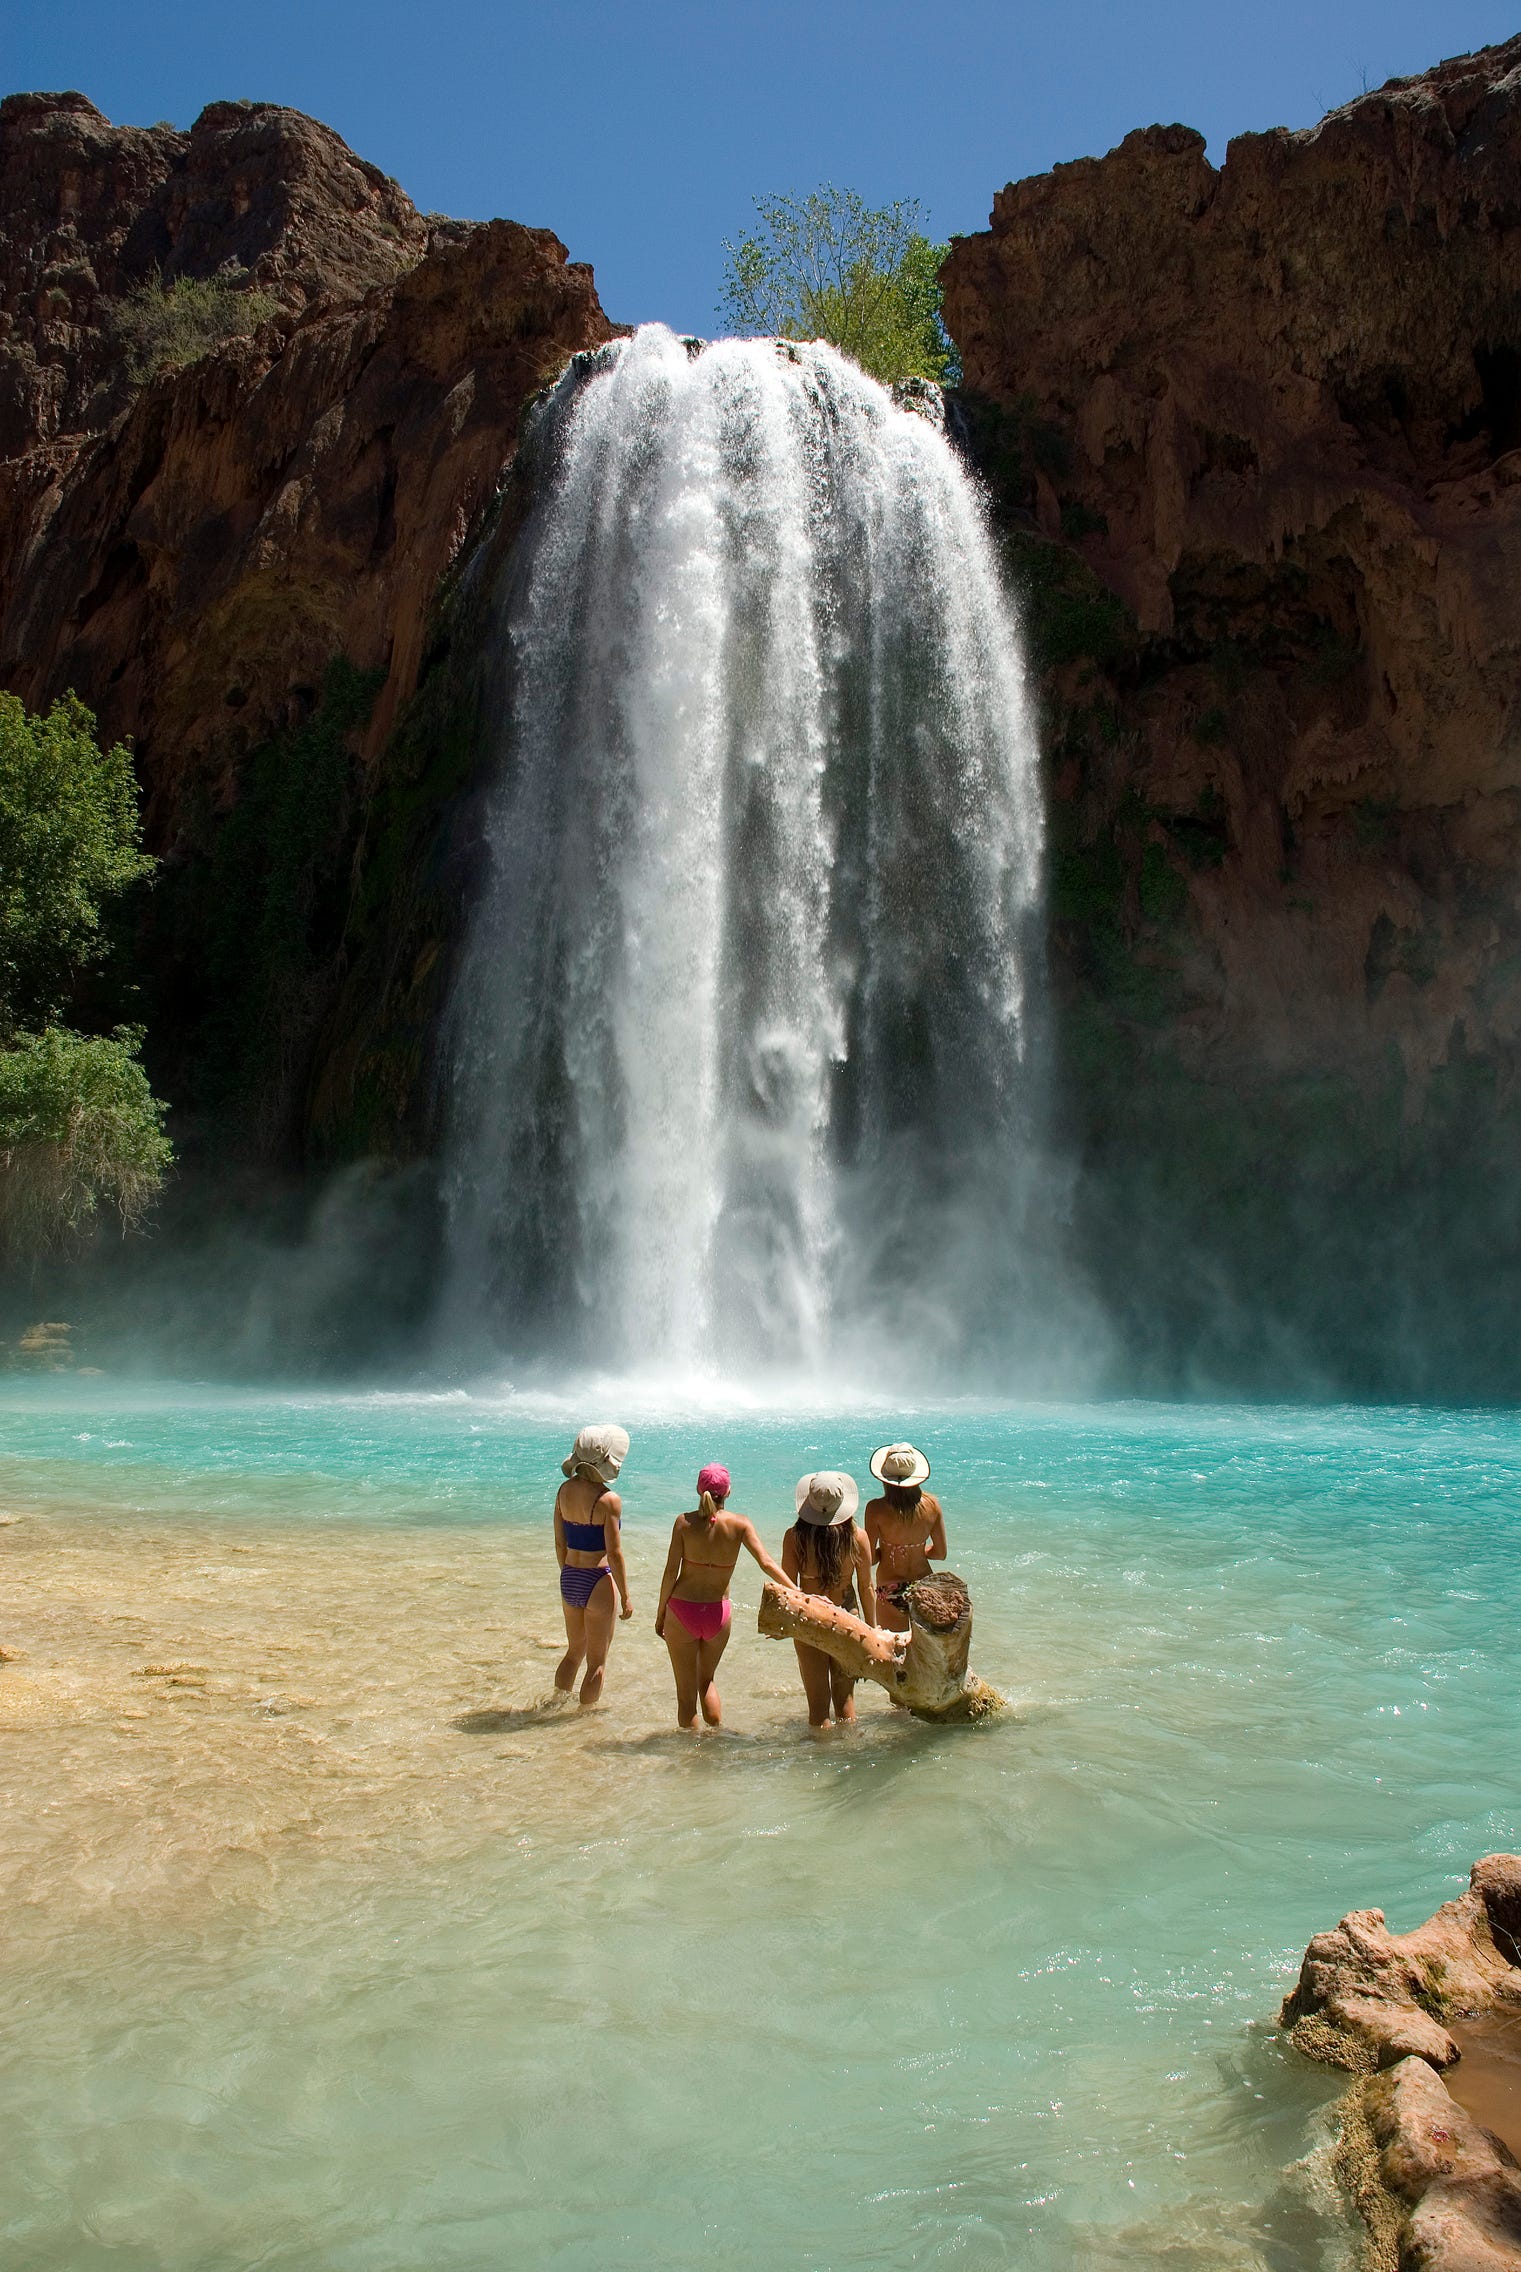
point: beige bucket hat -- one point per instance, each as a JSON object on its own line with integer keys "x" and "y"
{"x": 902, "y": 1465}
{"x": 602, "y": 1450}
{"x": 828, "y": 1497}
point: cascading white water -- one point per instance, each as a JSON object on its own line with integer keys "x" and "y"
{"x": 740, "y": 1029}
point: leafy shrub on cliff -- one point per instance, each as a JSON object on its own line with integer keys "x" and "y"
{"x": 161, "y": 327}
{"x": 829, "y": 266}
{"x": 79, "y": 1126}
{"x": 69, "y": 842}
{"x": 79, "y": 1129}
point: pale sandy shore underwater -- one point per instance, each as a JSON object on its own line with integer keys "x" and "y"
{"x": 202, "y": 1713}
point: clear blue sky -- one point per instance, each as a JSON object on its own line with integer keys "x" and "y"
{"x": 639, "y": 133}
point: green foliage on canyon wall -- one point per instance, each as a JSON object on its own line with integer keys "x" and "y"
{"x": 162, "y": 327}
{"x": 829, "y": 266}
{"x": 80, "y": 1129}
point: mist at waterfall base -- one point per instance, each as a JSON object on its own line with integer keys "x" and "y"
{"x": 745, "y": 1035}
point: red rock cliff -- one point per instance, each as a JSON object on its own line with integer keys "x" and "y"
{"x": 191, "y": 554}
{"x": 1285, "y": 404}
{"x": 1274, "y": 412}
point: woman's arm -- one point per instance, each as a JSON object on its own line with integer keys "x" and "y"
{"x": 559, "y": 1536}
{"x": 612, "y": 1539}
{"x": 668, "y": 1576}
{"x": 936, "y": 1549}
{"x": 864, "y": 1585}
{"x": 750, "y": 1539}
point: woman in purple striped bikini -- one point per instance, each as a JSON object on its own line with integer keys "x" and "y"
{"x": 589, "y": 1551}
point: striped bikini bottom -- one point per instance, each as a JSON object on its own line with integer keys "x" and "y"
{"x": 578, "y": 1586}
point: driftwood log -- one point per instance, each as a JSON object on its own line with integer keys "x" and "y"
{"x": 924, "y": 1669}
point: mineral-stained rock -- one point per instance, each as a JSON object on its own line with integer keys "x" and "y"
{"x": 1437, "y": 2192}
{"x": 1368, "y": 1998}
{"x": 924, "y": 1669}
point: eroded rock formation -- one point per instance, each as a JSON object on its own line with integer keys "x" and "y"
{"x": 1255, "y": 433}
{"x": 925, "y": 1670}
{"x": 1437, "y": 2192}
{"x": 1367, "y": 1997}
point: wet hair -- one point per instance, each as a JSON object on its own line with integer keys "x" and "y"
{"x": 708, "y": 1506}
{"x": 828, "y": 1546}
{"x": 903, "y": 1496}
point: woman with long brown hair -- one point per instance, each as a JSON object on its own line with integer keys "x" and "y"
{"x": 825, "y": 1553}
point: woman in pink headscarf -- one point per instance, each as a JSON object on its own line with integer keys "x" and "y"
{"x": 693, "y": 1618}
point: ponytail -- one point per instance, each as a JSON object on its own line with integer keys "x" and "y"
{"x": 708, "y": 1506}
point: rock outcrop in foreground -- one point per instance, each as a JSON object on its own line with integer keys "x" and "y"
{"x": 1436, "y": 2191}
{"x": 1257, "y": 434}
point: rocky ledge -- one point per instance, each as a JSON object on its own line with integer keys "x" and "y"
{"x": 1436, "y": 2191}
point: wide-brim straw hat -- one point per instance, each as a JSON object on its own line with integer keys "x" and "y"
{"x": 901, "y": 1465}
{"x": 602, "y": 1451}
{"x": 827, "y": 1497}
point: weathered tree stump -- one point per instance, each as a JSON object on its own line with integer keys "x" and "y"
{"x": 924, "y": 1669}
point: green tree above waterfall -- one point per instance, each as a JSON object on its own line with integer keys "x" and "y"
{"x": 80, "y": 1128}
{"x": 829, "y": 266}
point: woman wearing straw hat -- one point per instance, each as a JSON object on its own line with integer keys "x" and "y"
{"x": 693, "y": 1617}
{"x": 826, "y": 1554}
{"x": 905, "y": 1526}
{"x": 590, "y": 1554}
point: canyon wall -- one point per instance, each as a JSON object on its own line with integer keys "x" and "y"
{"x": 237, "y": 563}
{"x": 1254, "y": 434}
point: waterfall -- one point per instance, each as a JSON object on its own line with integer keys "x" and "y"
{"x": 740, "y": 1039}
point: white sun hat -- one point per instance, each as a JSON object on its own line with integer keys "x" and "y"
{"x": 603, "y": 1450}
{"x": 828, "y": 1497}
{"x": 902, "y": 1465}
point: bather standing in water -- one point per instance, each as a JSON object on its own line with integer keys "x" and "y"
{"x": 826, "y": 1554}
{"x": 906, "y": 1527}
{"x": 693, "y": 1618}
{"x": 589, "y": 1551}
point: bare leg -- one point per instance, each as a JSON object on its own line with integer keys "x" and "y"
{"x": 814, "y": 1667}
{"x": 684, "y": 1651}
{"x": 891, "y": 1616}
{"x": 575, "y": 1647}
{"x": 842, "y": 1690}
{"x": 601, "y": 1617}
{"x": 708, "y": 1654}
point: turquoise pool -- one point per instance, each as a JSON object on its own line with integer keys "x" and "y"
{"x": 466, "y": 1982}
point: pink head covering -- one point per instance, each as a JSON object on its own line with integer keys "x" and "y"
{"x": 715, "y": 1479}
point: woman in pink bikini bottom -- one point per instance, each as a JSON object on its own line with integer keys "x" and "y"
{"x": 693, "y": 1615}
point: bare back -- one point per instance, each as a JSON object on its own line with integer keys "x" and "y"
{"x": 709, "y": 1551}
{"x": 905, "y": 1538}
